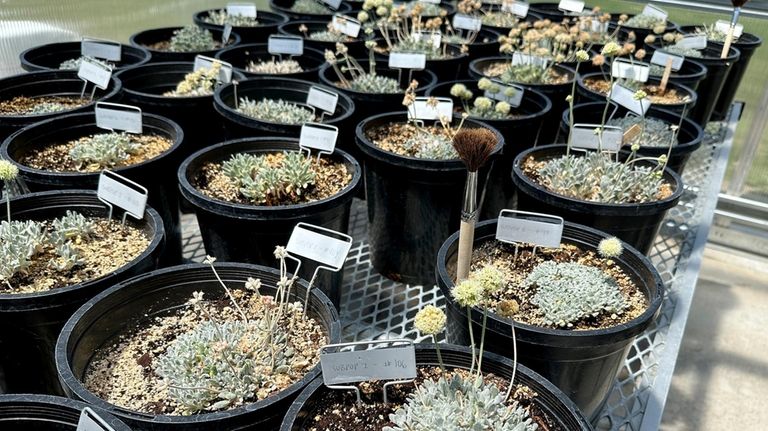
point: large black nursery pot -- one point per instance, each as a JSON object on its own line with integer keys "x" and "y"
{"x": 520, "y": 133}
{"x": 486, "y": 43}
{"x": 582, "y": 363}
{"x": 454, "y": 66}
{"x": 356, "y": 46}
{"x": 239, "y": 125}
{"x": 48, "y": 83}
{"x": 51, "y": 55}
{"x": 636, "y": 224}
{"x": 25, "y": 412}
{"x": 640, "y": 32}
{"x": 710, "y": 87}
{"x": 120, "y": 309}
{"x": 146, "y": 38}
{"x": 413, "y": 203}
{"x": 688, "y": 139}
{"x": 552, "y": 402}
{"x": 249, "y": 233}
{"x": 268, "y": 23}
{"x": 32, "y": 321}
{"x": 284, "y": 7}
{"x": 144, "y": 87}
{"x": 747, "y": 44}
{"x": 241, "y": 55}
{"x": 157, "y": 175}
{"x": 531, "y": 17}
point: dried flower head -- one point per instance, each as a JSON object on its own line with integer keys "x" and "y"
{"x": 610, "y": 49}
{"x": 582, "y": 55}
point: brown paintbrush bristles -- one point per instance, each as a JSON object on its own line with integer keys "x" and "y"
{"x": 738, "y": 3}
{"x": 474, "y": 147}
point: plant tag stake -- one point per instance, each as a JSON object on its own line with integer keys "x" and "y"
{"x": 114, "y": 116}
{"x": 346, "y": 25}
{"x": 90, "y": 421}
{"x": 433, "y": 37}
{"x": 692, "y": 42}
{"x": 289, "y": 45}
{"x": 655, "y": 11}
{"x": 97, "y": 74}
{"x": 247, "y": 10}
{"x": 225, "y": 35}
{"x": 510, "y": 93}
{"x": 575, "y": 6}
{"x": 533, "y": 228}
{"x": 407, "y": 60}
{"x": 587, "y": 136}
{"x": 115, "y": 189}
{"x": 225, "y": 73}
{"x": 521, "y": 58}
{"x": 423, "y": 108}
{"x": 104, "y": 49}
{"x": 625, "y": 97}
{"x": 322, "y": 99}
{"x": 631, "y": 133}
{"x": 518, "y": 8}
{"x": 466, "y": 22}
{"x": 724, "y": 26}
{"x": 661, "y": 57}
{"x": 630, "y": 70}
{"x": 333, "y": 4}
{"x": 325, "y": 246}
{"x": 317, "y": 136}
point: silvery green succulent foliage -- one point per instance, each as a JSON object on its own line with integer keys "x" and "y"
{"x": 595, "y": 177}
{"x": 568, "y": 292}
{"x": 328, "y": 36}
{"x": 310, "y": 7}
{"x": 459, "y": 404}
{"x": 278, "y": 67}
{"x": 261, "y": 183}
{"x": 104, "y": 149}
{"x": 48, "y": 108}
{"x": 191, "y": 38}
{"x": 687, "y": 52}
{"x": 221, "y": 17}
{"x": 372, "y": 83}
{"x": 74, "y": 64}
{"x": 644, "y": 21}
{"x": 275, "y": 111}
{"x": 655, "y": 132}
{"x": 431, "y": 146}
{"x": 71, "y": 226}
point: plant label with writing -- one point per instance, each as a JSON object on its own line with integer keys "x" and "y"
{"x": 407, "y": 60}
{"x": 467, "y": 22}
{"x": 387, "y": 363}
{"x": 626, "y": 98}
{"x": 103, "y": 49}
{"x": 510, "y": 93}
{"x": 95, "y": 73}
{"x": 661, "y": 57}
{"x": 431, "y": 108}
{"x": 542, "y": 230}
{"x": 595, "y": 137}
{"x": 115, "y": 116}
{"x": 575, "y": 6}
{"x": 90, "y": 421}
{"x": 517, "y": 8}
{"x": 428, "y": 36}
{"x": 326, "y": 246}
{"x": 598, "y": 27}
{"x": 635, "y": 71}
{"x": 723, "y": 26}
{"x": 317, "y": 136}
{"x": 431, "y": 1}
{"x": 247, "y": 10}
{"x": 322, "y": 99}
{"x": 521, "y": 58}
{"x": 692, "y": 42}
{"x": 225, "y": 73}
{"x": 346, "y": 25}
{"x": 115, "y": 189}
{"x": 655, "y": 11}
{"x": 284, "y": 44}
{"x": 333, "y": 4}
{"x": 226, "y": 34}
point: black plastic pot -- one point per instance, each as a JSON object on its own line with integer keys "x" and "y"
{"x": 486, "y": 44}
{"x": 448, "y": 69}
{"x": 238, "y": 125}
{"x": 551, "y": 400}
{"x": 747, "y": 44}
{"x": 284, "y": 7}
{"x": 157, "y": 174}
{"x": 688, "y": 139}
{"x": 636, "y": 224}
{"x": 249, "y": 233}
{"x": 146, "y": 38}
{"x": 551, "y": 11}
{"x": 25, "y": 412}
{"x": 32, "y": 321}
{"x": 640, "y": 33}
{"x": 144, "y": 86}
{"x": 268, "y": 23}
{"x": 412, "y": 203}
{"x": 582, "y": 363}
{"x": 531, "y": 17}
{"x": 51, "y": 55}
{"x": 519, "y": 133}
{"x": 710, "y": 87}
{"x": 48, "y": 83}
{"x": 126, "y": 305}
{"x": 585, "y": 94}
{"x": 239, "y": 56}
{"x": 691, "y": 73}
{"x": 356, "y": 48}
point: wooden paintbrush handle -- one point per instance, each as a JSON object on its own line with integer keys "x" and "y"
{"x": 466, "y": 239}
{"x": 728, "y": 41}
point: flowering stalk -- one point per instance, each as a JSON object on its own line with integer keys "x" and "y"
{"x": 8, "y": 174}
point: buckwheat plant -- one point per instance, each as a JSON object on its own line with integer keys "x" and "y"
{"x": 483, "y": 107}
{"x": 103, "y": 150}
{"x": 310, "y": 7}
{"x": 201, "y": 82}
{"x": 191, "y": 38}
{"x": 265, "y": 184}
{"x": 355, "y": 77}
{"x": 221, "y": 17}
{"x": 274, "y": 66}
{"x": 8, "y": 174}
{"x": 74, "y": 64}
{"x": 275, "y": 111}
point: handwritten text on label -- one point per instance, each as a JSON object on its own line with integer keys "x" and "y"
{"x": 288, "y": 45}
{"x": 113, "y": 116}
{"x": 317, "y": 136}
{"x": 625, "y": 97}
{"x": 322, "y": 99}
{"x": 587, "y": 136}
{"x": 421, "y": 109}
{"x": 407, "y": 60}
{"x": 660, "y": 58}
{"x": 393, "y": 363}
{"x": 318, "y": 247}
{"x": 110, "y": 51}
{"x": 113, "y": 188}
{"x": 96, "y": 73}
{"x": 521, "y": 227}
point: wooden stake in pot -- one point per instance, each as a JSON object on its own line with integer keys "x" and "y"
{"x": 665, "y": 76}
{"x": 475, "y": 147}
{"x": 737, "y": 4}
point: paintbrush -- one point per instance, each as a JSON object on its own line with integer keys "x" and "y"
{"x": 737, "y": 4}
{"x": 475, "y": 147}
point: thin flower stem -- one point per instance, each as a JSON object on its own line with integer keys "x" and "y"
{"x": 439, "y": 356}
{"x": 482, "y": 341}
{"x": 471, "y": 339}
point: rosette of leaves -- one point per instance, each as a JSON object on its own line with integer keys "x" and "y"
{"x": 273, "y": 66}
{"x": 221, "y": 17}
{"x": 263, "y": 183}
{"x": 74, "y": 63}
{"x": 645, "y": 21}
{"x": 201, "y": 82}
{"x": 483, "y": 107}
{"x": 103, "y": 150}
{"x": 275, "y": 111}
{"x": 191, "y": 38}
{"x": 355, "y": 77}
{"x": 310, "y": 7}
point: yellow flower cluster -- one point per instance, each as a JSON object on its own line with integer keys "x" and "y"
{"x": 430, "y": 320}
{"x": 610, "y": 247}
{"x": 8, "y": 171}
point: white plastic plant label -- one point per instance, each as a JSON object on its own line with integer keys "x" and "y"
{"x": 333, "y": 4}
{"x": 247, "y": 10}
{"x": 117, "y": 190}
{"x": 635, "y": 71}
{"x": 467, "y": 22}
{"x": 725, "y": 26}
{"x": 431, "y": 1}
{"x": 90, "y": 421}
{"x": 114, "y": 116}
{"x": 226, "y": 33}
{"x": 517, "y": 8}
{"x": 94, "y": 72}
{"x": 319, "y": 244}
{"x": 599, "y": 27}
{"x": 521, "y": 58}
{"x": 660, "y": 58}
{"x": 655, "y": 11}
{"x": 388, "y": 363}
{"x": 285, "y": 45}
{"x": 317, "y": 136}
{"x": 626, "y": 98}
{"x": 103, "y": 49}
{"x": 322, "y": 99}
{"x": 594, "y": 137}
{"x": 575, "y": 6}
{"x": 510, "y": 93}
{"x": 431, "y": 108}
{"x": 407, "y": 60}
{"x": 434, "y": 37}
{"x": 532, "y": 228}
{"x": 692, "y": 42}
{"x": 225, "y": 73}
{"x": 346, "y": 25}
